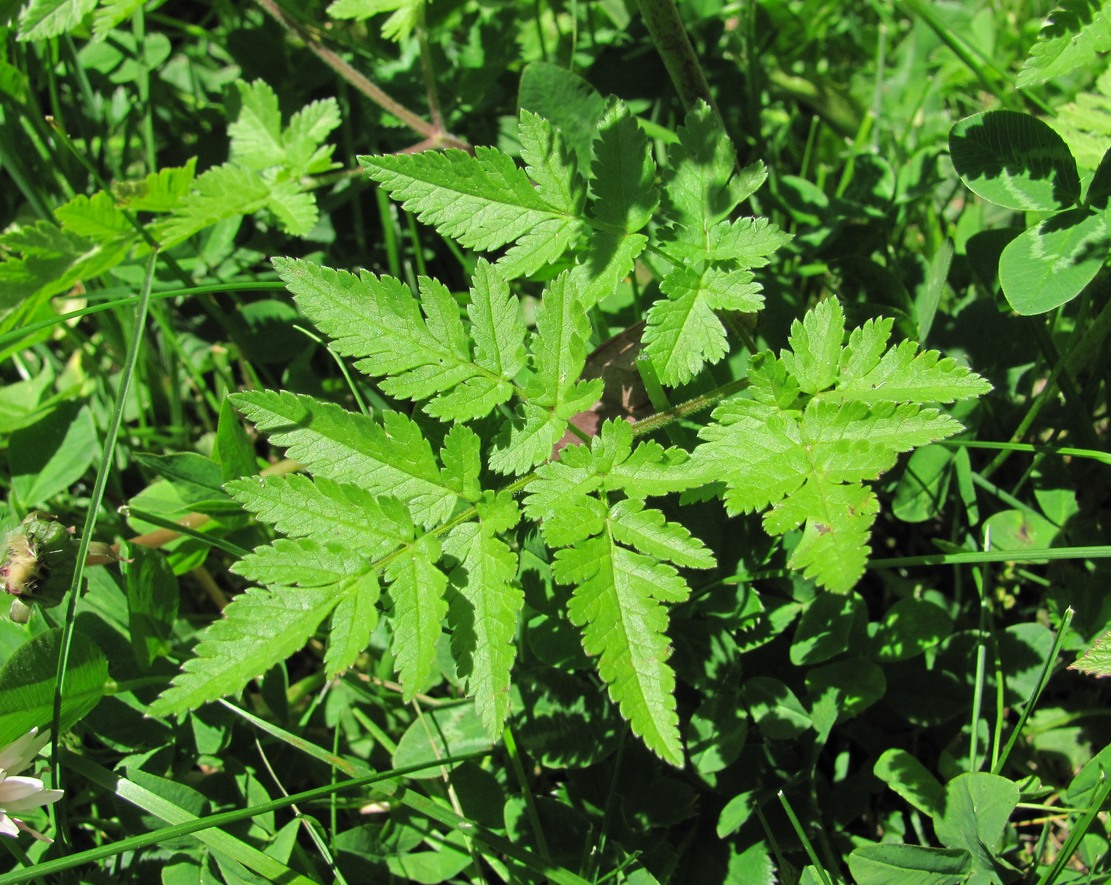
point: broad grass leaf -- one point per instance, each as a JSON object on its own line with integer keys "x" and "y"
{"x": 50, "y": 455}
{"x": 1014, "y": 160}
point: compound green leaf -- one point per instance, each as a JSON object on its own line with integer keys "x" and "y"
{"x": 298, "y": 506}
{"x": 482, "y": 201}
{"x": 573, "y": 106}
{"x": 353, "y": 620}
{"x": 95, "y": 217}
{"x": 294, "y": 208}
{"x": 259, "y": 628}
{"x": 647, "y": 531}
{"x": 417, "y": 609}
{"x": 110, "y": 13}
{"x": 392, "y": 458}
{"x": 160, "y": 191}
{"x": 816, "y": 344}
{"x": 1096, "y": 660}
{"x": 550, "y": 163}
{"x": 407, "y": 14}
{"x": 302, "y": 140}
{"x": 484, "y": 616}
{"x": 623, "y": 173}
{"x": 905, "y": 373}
{"x": 618, "y": 602}
{"x": 462, "y": 459}
{"x": 700, "y": 187}
{"x": 608, "y": 259}
{"x": 219, "y": 193}
{"x": 256, "y": 134}
{"x": 42, "y": 19}
{"x": 560, "y": 350}
{"x": 1076, "y": 33}
{"x": 496, "y": 324}
{"x": 683, "y": 333}
{"x": 302, "y": 562}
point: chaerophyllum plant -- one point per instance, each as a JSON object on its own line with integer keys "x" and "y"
{"x": 387, "y": 524}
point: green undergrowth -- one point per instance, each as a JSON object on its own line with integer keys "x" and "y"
{"x": 507, "y": 442}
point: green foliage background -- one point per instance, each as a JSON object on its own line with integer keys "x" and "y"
{"x": 776, "y": 630}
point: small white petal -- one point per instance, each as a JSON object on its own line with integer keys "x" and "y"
{"x": 7, "y": 826}
{"x": 21, "y": 793}
{"x": 19, "y": 753}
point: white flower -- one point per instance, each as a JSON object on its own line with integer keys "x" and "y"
{"x": 22, "y": 793}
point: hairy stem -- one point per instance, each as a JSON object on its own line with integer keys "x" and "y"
{"x": 661, "y": 17}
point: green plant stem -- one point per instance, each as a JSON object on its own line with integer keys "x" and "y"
{"x": 803, "y": 838}
{"x": 95, "y": 499}
{"x": 665, "y": 26}
{"x": 435, "y": 137}
{"x": 1079, "y": 354}
{"x": 1043, "y": 679}
{"x": 522, "y": 781}
{"x": 685, "y": 409}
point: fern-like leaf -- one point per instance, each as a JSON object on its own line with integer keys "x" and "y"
{"x": 483, "y": 201}
{"x": 258, "y": 629}
{"x": 391, "y": 458}
{"x": 554, "y": 393}
{"x": 417, "y": 609}
{"x": 353, "y": 620}
{"x": 485, "y": 608}
{"x": 701, "y": 186}
{"x": 299, "y": 507}
{"x": 683, "y": 333}
{"x": 623, "y": 180}
{"x": 619, "y": 568}
{"x": 823, "y": 419}
{"x": 422, "y": 355}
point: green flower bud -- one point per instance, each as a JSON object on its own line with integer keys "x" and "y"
{"x": 38, "y": 564}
